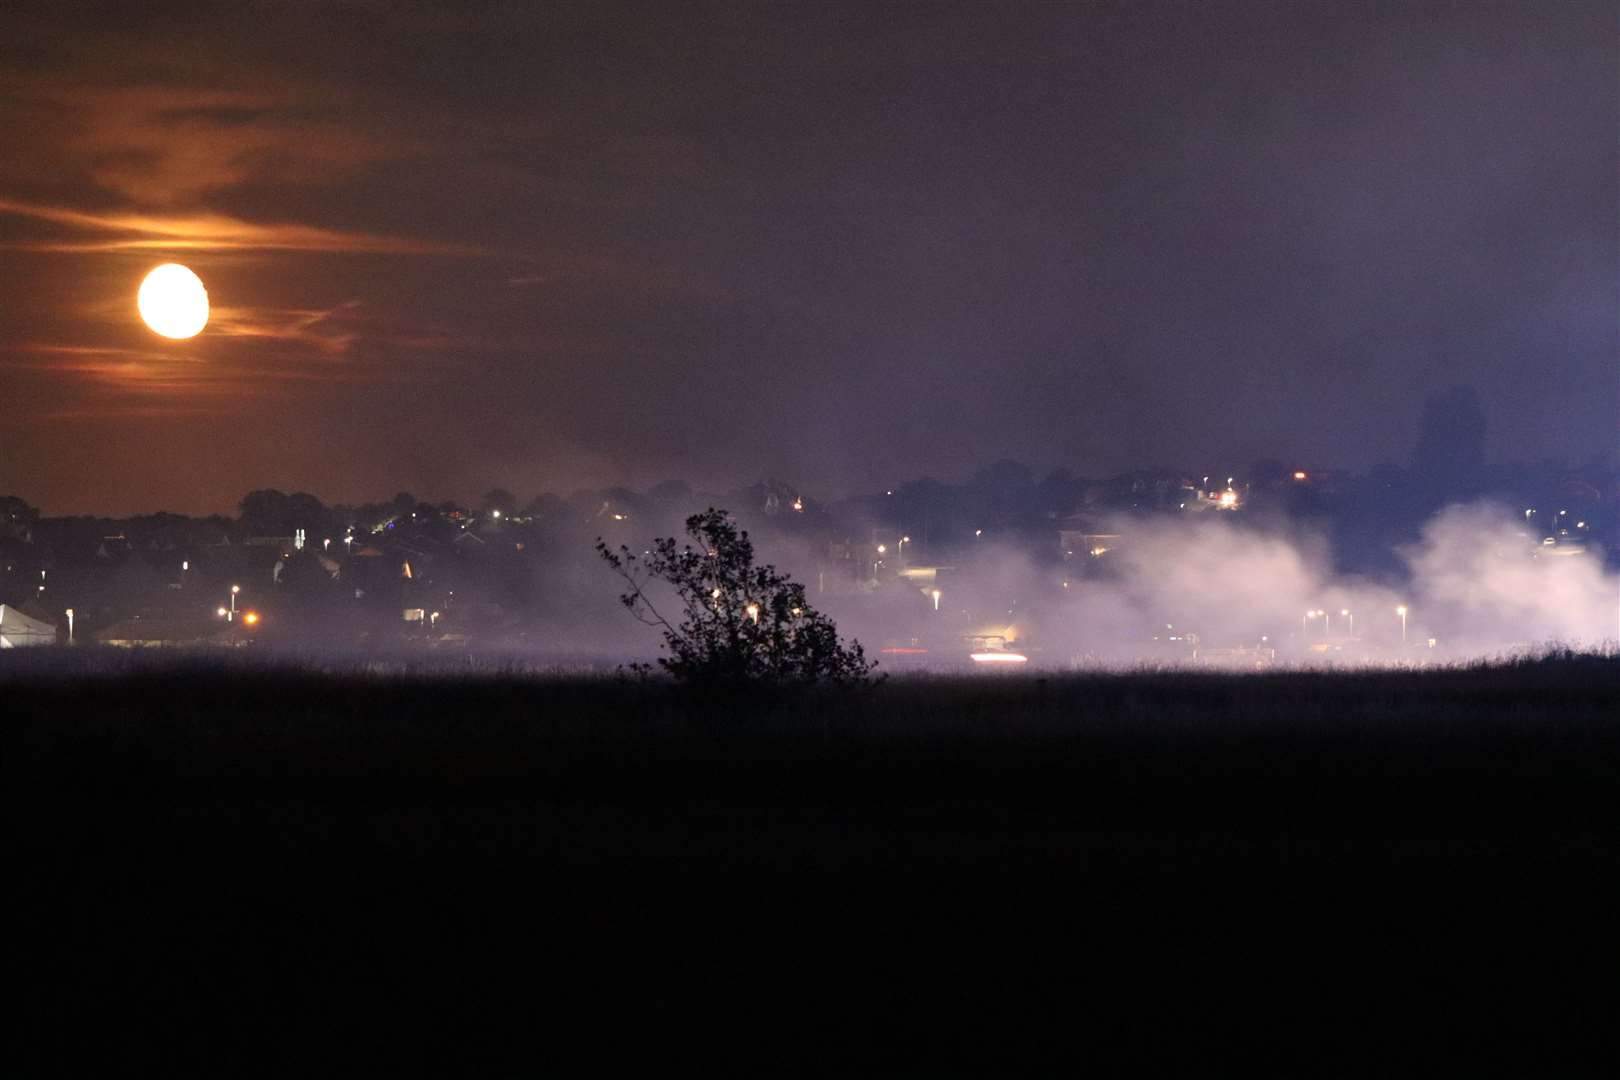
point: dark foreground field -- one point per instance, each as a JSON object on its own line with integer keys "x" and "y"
{"x": 259, "y": 873}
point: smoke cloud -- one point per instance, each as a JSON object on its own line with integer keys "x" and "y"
{"x": 1216, "y": 590}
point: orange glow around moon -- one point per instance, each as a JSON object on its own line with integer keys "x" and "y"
{"x": 173, "y": 302}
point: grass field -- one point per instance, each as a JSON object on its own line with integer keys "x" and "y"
{"x": 250, "y": 870}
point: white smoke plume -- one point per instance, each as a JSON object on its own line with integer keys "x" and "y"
{"x": 1194, "y": 590}
{"x": 1484, "y": 581}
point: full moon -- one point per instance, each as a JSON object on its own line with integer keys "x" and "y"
{"x": 173, "y": 302}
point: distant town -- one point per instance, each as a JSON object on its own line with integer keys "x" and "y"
{"x": 923, "y": 565}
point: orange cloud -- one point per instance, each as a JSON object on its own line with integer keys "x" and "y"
{"x": 208, "y": 232}
{"x": 321, "y": 330}
{"x": 277, "y": 354}
{"x": 166, "y": 143}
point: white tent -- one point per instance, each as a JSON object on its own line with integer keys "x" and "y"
{"x": 17, "y": 630}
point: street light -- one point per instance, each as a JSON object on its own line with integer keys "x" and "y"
{"x": 232, "y": 616}
{"x": 70, "y": 625}
{"x": 900, "y": 552}
{"x": 1401, "y": 611}
{"x": 936, "y": 599}
{"x": 1346, "y": 613}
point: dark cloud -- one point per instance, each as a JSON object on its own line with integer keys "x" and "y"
{"x": 547, "y": 245}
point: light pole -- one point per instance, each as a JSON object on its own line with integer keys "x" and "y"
{"x": 1346, "y": 613}
{"x": 231, "y": 617}
{"x": 70, "y": 625}
{"x": 1401, "y": 611}
{"x": 936, "y": 599}
{"x": 900, "y": 552}
{"x": 1305, "y": 623}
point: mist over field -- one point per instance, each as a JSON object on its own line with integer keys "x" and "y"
{"x": 1476, "y": 582}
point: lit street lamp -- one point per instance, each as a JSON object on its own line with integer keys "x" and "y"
{"x": 231, "y": 617}
{"x": 900, "y": 552}
{"x": 1346, "y": 613}
{"x": 70, "y": 625}
{"x": 936, "y": 599}
{"x": 1401, "y": 611}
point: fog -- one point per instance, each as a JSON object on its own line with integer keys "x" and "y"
{"x": 1214, "y": 590}
{"x": 1208, "y": 589}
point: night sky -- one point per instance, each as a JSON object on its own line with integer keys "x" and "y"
{"x": 846, "y": 244}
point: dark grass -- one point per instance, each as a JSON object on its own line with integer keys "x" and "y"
{"x": 256, "y": 870}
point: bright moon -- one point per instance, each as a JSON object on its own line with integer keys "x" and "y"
{"x": 173, "y": 302}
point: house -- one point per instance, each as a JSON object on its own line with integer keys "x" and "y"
{"x": 19, "y": 630}
{"x": 151, "y": 631}
{"x": 1078, "y": 538}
